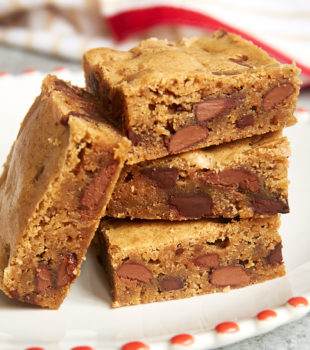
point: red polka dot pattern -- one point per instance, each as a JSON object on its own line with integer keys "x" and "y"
{"x": 182, "y": 339}
{"x": 227, "y": 327}
{"x": 135, "y": 345}
{"x": 82, "y": 348}
{"x": 266, "y": 315}
{"x": 298, "y": 301}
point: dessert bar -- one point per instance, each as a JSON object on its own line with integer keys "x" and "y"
{"x": 56, "y": 183}
{"x": 174, "y": 97}
{"x": 159, "y": 260}
{"x": 243, "y": 178}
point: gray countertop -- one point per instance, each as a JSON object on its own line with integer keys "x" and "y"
{"x": 293, "y": 336}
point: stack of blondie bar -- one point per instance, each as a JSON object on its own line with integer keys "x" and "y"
{"x": 206, "y": 177}
{"x": 190, "y": 204}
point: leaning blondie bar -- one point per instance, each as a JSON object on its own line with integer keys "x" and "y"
{"x": 170, "y": 98}
{"x": 159, "y": 260}
{"x": 243, "y": 178}
{"x": 55, "y": 186}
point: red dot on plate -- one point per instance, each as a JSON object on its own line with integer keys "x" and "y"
{"x": 135, "y": 345}
{"x": 182, "y": 339}
{"x": 59, "y": 69}
{"x": 3, "y": 74}
{"x": 83, "y": 347}
{"x": 298, "y": 301}
{"x": 227, "y": 327}
{"x": 35, "y": 348}
{"x": 266, "y": 315}
{"x": 301, "y": 110}
{"x": 29, "y": 70}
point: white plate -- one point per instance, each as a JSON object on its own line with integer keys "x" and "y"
{"x": 85, "y": 318}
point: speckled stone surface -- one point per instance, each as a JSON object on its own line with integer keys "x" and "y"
{"x": 293, "y": 336}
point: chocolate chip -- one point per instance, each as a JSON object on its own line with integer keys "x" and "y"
{"x": 275, "y": 256}
{"x": 171, "y": 283}
{"x": 221, "y": 33}
{"x": 14, "y": 294}
{"x": 192, "y": 206}
{"x": 232, "y": 178}
{"x": 269, "y": 206}
{"x": 133, "y": 137}
{"x": 277, "y": 95}
{"x": 136, "y": 272}
{"x": 212, "y": 108}
{"x": 231, "y": 275}
{"x": 164, "y": 177}
{"x": 43, "y": 279}
{"x": 95, "y": 192}
{"x": 93, "y": 83}
{"x": 247, "y": 120}
{"x": 91, "y": 114}
{"x": 241, "y": 59}
{"x": 39, "y": 173}
{"x": 117, "y": 105}
{"x": 73, "y": 92}
{"x": 187, "y": 137}
{"x": 65, "y": 272}
{"x": 179, "y": 251}
{"x": 207, "y": 260}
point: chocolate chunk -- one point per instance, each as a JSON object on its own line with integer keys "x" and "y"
{"x": 117, "y": 105}
{"x": 179, "y": 251}
{"x": 65, "y": 273}
{"x": 212, "y": 108}
{"x": 207, "y": 260}
{"x": 192, "y": 206}
{"x": 71, "y": 91}
{"x": 93, "y": 83}
{"x": 241, "y": 59}
{"x": 275, "y": 256}
{"x": 164, "y": 177}
{"x": 95, "y": 192}
{"x": 136, "y": 272}
{"x": 277, "y": 95}
{"x": 247, "y": 120}
{"x": 14, "y": 294}
{"x": 39, "y": 173}
{"x": 220, "y": 34}
{"x": 43, "y": 280}
{"x": 133, "y": 137}
{"x": 231, "y": 275}
{"x": 232, "y": 178}
{"x": 171, "y": 283}
{"x": 269, "y": 206}
{"x": 187, "y": 137}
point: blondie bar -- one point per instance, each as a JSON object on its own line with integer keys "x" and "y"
{"x": 56, "y": 183}
{"x": 159, "y": 260}
{"x": 241, "y": 178}
{"x": 170, "y": 98}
